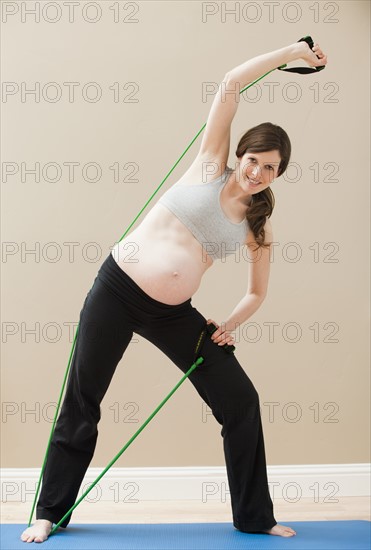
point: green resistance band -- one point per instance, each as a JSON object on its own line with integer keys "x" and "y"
{"x": 300, "y": 70}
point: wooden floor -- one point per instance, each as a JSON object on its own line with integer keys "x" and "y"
{"x": 194, "y": 511}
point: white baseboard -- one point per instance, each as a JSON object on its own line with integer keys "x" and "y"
{"x": 320, "y": 482}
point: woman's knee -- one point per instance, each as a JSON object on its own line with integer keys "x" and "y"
{"x": 77, "y": 426}
{"x": 241, "y": 404}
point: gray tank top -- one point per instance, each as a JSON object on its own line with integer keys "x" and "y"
{"x": 198, "y": 207}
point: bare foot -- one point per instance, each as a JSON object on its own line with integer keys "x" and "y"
{"x": 38, "y": 532}
{"x": 281, "y": 531}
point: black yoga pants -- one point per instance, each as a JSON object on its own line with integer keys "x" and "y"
{"x": 115, "y": 308}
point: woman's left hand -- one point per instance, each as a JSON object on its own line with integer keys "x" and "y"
{"x": 221, "y": 336}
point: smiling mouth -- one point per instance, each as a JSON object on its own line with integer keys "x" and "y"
{"x": 252, "y": 183}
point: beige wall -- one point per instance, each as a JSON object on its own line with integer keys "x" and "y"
{"x": 170, "y": 53}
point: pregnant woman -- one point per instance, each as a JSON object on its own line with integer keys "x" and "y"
{"x": 145, "y": 286}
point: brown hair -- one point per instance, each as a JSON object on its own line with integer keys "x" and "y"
{"x": 259, "y": 139}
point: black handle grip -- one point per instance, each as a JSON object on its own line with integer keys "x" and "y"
{"x": 211, "y": 328}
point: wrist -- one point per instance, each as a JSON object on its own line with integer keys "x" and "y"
{"x": 230, "y": 325}
{"x": 299, "y": 49}
{"x": 290, "y": 53}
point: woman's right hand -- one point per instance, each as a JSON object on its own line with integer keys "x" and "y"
{"x": 221, "y": 336}
{"x": 310, "y": 55}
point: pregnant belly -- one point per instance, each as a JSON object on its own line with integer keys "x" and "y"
{"x": 163, "y": 257}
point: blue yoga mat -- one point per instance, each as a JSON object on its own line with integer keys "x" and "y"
{"x": 311, "y": 535}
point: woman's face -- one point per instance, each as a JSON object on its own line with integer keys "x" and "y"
{"x": 258, "y": 170}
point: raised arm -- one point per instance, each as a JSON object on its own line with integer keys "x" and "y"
{"x": 216, "y": 138}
